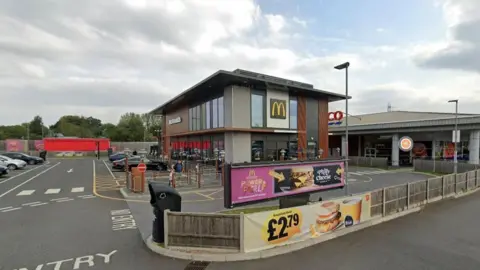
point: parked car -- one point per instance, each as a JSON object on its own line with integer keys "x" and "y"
{"x": 116, "y": 156}
{"x": 135, "y": 160}
{"x": 13, "y": 164}
{"x": 31, "y": 160}
{"x": 3, "y": 170}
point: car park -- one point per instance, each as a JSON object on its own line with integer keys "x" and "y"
{"x": 30, "y": 160}
{"x": 12, "y": 164}
{"x": 135, "y": 160}
{"x": 3, "y": 170}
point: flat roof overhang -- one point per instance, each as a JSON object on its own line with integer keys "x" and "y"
{"x": 221, "y": 79}
{"x": 426, "y": 125}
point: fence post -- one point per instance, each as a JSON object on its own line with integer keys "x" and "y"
{"x": 427, "y": 194}
{"x": 165, "y": 227}
{"x": 408, "y": 195}
{"x": 199, "y": 178}
{"x": 242, "y": 233}
{"x": 384, "y": 199}
{"x": 443, "y": 186}
{"x": 455, "y": 185}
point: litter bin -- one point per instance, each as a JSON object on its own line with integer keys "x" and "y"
{"x": 110, "y": 151}
{"x": 162, "y": 197}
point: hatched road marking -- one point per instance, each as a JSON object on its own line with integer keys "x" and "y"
{"x": 52, "y": 191}
{"x": 78, "y": 189}
{"x": 26, "y": 192}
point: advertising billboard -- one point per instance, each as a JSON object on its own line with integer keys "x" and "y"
{"x": 14, "y": 145}
{"x": 251, "y": 184}
{"x": 268, "y": 229}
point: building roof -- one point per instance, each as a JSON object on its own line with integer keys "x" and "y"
{"x": 222, "y": 79}
{"x": 405, "y": 121}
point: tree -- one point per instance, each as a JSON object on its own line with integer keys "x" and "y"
{"x": 131, "y": 127}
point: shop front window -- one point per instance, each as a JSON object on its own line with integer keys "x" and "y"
{"x": 257, "y": 151}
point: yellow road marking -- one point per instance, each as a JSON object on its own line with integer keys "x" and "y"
{"x": 206, "y": 196}
{"x": 215, "y": 192}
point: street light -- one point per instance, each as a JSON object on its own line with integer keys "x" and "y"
{"x": 455, "y": 161}
{"x": 340, "y": 67}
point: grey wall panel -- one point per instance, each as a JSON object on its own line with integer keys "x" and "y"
{"x": 240, "y": 107}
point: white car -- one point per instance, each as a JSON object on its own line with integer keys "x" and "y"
{"x": 12, "y": 164}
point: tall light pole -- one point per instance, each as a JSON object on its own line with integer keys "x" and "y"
{"x": 340, "y": 67}
{"x": 455, "y": 139}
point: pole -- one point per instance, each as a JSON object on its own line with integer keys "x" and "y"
{"x": 346, "y": 130}
{"x": 455, "y": 161}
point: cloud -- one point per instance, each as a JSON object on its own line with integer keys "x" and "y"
{"x": 461, "y": 49}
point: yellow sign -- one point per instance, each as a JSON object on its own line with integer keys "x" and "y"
{"x": 281, "y": 225}
{"x": 278, "y": 109}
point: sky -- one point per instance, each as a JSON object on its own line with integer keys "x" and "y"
{"x": 104, "y": 58}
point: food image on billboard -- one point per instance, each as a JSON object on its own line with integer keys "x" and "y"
{"x": 272, "y": 228}
{"x": 262, "y": 183}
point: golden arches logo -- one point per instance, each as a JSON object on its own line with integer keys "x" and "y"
{"x": 251, "y": 173}
{"x": 278, "y": 109}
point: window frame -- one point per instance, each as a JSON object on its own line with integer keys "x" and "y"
{"x": 290, "y": 113}
{"x": 263, "y": 94}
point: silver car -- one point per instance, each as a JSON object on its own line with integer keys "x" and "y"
{"x": 12, "y": 164}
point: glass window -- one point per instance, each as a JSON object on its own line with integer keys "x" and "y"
{"x": 258, "y": 110}
{"x": 203, "y": 126}
{"x": 215, "y": 113}
{"x": 190, "y": 119}
{"x": 209, "y": 115}
{"x": 220, "y": 112}
{"x": 293, "y": 114}
{"x": 199, "y": 117}
{"x": 194, "y": 119}
{"x": 257, "y": 150}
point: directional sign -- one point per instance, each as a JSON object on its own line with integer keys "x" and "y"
{"x": 142, "y": 167}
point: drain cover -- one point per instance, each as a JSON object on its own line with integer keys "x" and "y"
{"x": 197, "y": 265}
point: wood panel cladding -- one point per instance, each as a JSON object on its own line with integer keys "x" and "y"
{"x": 179, "y": 127}
{"x": 302, "y": 125}
{"x": 323, "y": 126}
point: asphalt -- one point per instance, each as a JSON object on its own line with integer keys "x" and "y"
{"x": 80, "y": 230}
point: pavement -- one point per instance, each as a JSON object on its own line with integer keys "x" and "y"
{"x": 69, "y": 214}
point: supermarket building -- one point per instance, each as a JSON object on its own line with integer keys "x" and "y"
{"x": 250, "y": 116}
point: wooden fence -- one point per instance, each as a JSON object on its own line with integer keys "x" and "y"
{"x": 206, "y": 230}
{"x": 223, "y": 231}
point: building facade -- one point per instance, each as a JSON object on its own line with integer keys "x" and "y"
{"x": 378, "y": 135}
{"x": 250, "y": 116}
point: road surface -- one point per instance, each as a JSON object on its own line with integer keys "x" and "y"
{"x": 50, "y": 219}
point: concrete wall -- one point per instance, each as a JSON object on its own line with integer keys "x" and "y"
{"x": 238, "y": 147}
{"x": 237, "y": 102}
{"x": 277, "y": 123}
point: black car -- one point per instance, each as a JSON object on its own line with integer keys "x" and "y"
{"x": 3, "y": 170}
{"x": 134, "y": 161}
{"x": 30, "y": 160}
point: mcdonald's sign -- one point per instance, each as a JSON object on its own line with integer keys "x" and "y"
{"x": 278, "y": 109}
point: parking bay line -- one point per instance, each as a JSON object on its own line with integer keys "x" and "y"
{"x": 30, "y": 203}
{"x": 15, "y": 176}
{"x": 11, "y": 209}
{"x": 30, "y": 179}
{"x": 38, "y": 204}
{"x": 65, "y": 200}
{"x": 111, "y": 173}
{"x": 59, "y": 199}
{"x": 5, "y": 208}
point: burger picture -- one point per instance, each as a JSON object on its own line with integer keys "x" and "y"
{"x": 328, "y": 217}
{"x": 301, "y": 177}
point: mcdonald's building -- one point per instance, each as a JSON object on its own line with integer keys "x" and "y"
{"x": 246, "y": 117}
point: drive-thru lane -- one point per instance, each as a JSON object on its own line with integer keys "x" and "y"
{"x": 444, "y": 236}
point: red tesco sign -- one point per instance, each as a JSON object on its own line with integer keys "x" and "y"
{"x": 335, "y": 116}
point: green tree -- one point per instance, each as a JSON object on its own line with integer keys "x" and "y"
{"x": 131, "y": 127}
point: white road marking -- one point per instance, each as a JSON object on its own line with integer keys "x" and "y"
{"x": 351, "y": 180}
{"x": 78, "y": 263}
{"x": 26, "y": 192}
{"x": 78, "y": 189}
{"x": 122, "y": 220}
{"x": 11, "y": 209}
{"x": 59, "y": 199}
{"x": 69, "y": 171}
{"x": 38, "y": 204}
{"x": 87, "y": 196}
{"x": 354, "y": 173}
{"x": 5, "y": 208}
{"x": 52, "y": 191}
{"x": 30, "y": 179}
{"x": 111, "y": 173}
{"x": 65, "y": 200}
{"x": 25, "y": 204}
{"x": 15, "y": 176}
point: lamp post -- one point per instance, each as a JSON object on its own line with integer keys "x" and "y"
{"x": 455, "y": 139}
{"x": 340, "y": 67}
